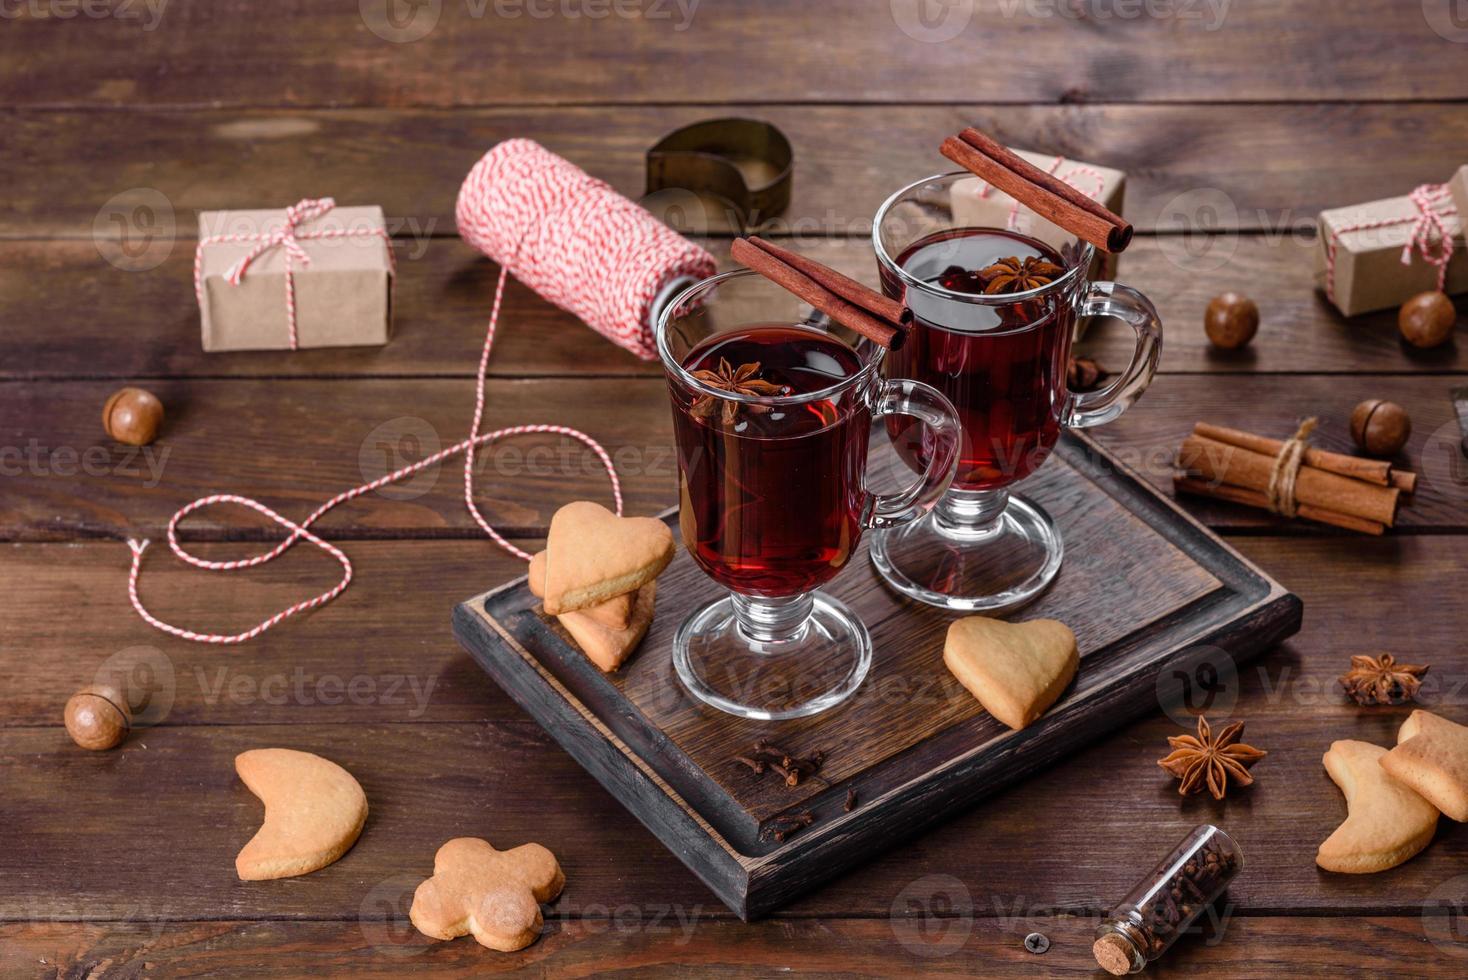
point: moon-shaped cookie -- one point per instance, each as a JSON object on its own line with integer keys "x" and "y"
{"x": 314, "y": 811}
{"x": 1386, "y": 823}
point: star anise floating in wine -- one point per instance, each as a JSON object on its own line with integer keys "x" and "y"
{"x": 1381, "y": 680}
{"x": 1211, "y": 760}
{"x": 743, "y": 380}
{"x": 1014, "y": 276}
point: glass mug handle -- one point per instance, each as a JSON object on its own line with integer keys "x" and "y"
{"x": 1125, "y": 303}
{"x": 926, "y": 404}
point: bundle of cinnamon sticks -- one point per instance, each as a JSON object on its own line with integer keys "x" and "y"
{"x": 1331, "y": 488}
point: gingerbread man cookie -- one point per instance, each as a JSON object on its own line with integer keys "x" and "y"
{"x": 495, "y": 895}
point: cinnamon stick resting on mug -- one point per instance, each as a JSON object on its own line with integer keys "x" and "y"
{"x": 848, "y": 302}
{"x": 1226, "y": 464}
{"x": 1045, "y": 194}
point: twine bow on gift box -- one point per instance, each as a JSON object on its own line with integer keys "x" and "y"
{"x": 1076, "y": 170}
{"x": 288, "y": 238}
{"x": 1430, "y": 236}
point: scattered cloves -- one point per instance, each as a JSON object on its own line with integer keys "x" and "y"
{"x": 791, "y": 768}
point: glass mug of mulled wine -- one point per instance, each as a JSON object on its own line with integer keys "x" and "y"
{"x": 994, "y": 312}
{"x": 773, "y": 411}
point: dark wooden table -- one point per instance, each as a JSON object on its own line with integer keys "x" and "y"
{"x": 1237, "y": 123}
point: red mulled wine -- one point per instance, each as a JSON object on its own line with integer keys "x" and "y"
{"x": 1003, "y": 366}
{"x": 772, "y": 495}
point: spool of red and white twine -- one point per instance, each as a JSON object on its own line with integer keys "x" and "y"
{"x": 571, "y": 238}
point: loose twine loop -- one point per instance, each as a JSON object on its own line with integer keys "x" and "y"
{"x": 572, "y": 238}
{"x": 1281, "y": 489}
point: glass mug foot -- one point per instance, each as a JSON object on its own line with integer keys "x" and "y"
{"x": 739, "y": 655}
{"x": 976, "y": 552}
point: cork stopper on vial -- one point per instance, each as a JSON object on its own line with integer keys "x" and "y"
{"x": 1115, "y": 954}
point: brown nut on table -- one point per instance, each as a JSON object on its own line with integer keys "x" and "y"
{"x": 132, "y": 416}
{"x": 97, "y": 718}
{"x": 1427, "y": 319}
{"x": 1380, "y": 427}
{"x": 1231, "y": 320}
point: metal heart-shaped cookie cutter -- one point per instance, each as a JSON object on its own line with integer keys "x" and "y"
{"x": 719, "y": 175}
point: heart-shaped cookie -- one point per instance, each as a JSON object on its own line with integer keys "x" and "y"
{"x": 614, "y": 614}
{"x": 1432, "y": 758}
{"x": 606, "y": 647}
{"x": 1386, "y": 823}
{"x": 593, "y": 555}
{"x": 1016, "y": 670}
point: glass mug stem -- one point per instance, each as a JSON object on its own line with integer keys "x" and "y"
{"x": 771, "y": 622}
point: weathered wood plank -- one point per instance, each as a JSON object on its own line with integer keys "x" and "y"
{"x": 81, "y": 852}
{"x": 402, "y": 596}
{"x": 1192, "y": 168}
{"x": 293, "y": 444}
{"x": 650, "y": 940}
{"x": 503, "y": 52}
{"x": 117, "y": 324}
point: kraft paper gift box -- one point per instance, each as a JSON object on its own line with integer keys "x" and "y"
{"x": 1458, "y": 188}
{"x": 1368, "y": 241}
{"x": 976, "y": 203}
{"x": 343, "y": 291}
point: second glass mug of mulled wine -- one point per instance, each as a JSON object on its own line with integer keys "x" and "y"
{"x": 773, "y": 411}
{"x": 994, "y": 313}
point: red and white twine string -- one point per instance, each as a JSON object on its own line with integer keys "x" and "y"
{"x": 301, "y": 531}
{"x": 1431, "y": 237}
{"x": 643, "y": 254}
{"x": 1076, "y": 170}
{"x": 288, "y": 239}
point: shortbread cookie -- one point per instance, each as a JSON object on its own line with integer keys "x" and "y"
{"x": 1386, "y": 823}
{"x": 606, "y": 647}
{"x": 1432, "y": 757}
{"x": 614, "y": 614}
{"x": 314, "y": 811}
{"x": 495, "y": 895}
{"x": 593, "y": 555}
{"x": 1016, "y": 670}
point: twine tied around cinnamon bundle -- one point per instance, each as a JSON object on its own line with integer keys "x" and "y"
{"x": 1291, "y": 477}
{"x": 1287, "y": 463}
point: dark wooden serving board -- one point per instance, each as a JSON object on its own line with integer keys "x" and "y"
{"x": 1148, "y": 591}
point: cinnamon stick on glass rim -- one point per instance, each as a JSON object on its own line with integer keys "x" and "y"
{"x": 848, "y": 302}
{"x": 1046, "y": 195}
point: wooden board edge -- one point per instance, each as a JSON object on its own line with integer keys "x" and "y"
{"x": 655, "y": 804}
{"x": 829, "y": 851}
{"x": 1145, "y": 486}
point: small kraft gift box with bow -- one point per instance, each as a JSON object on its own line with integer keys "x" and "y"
{"x": 310, "y": 275}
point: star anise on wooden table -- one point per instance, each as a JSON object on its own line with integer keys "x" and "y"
{"x": 1381, "y": 680}
{"x": 1013, "y": 276}
{"x": 1206, "y": 759}
{"x": 743, "y": 380}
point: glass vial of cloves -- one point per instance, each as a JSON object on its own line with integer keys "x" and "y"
{"x": 1167, "y": 902}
